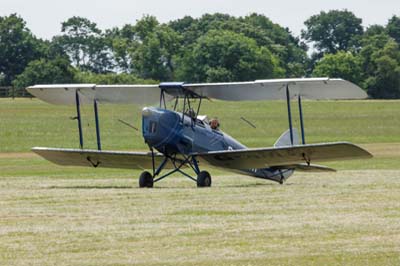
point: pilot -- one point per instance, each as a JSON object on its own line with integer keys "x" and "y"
{"x": 214, "y": 124}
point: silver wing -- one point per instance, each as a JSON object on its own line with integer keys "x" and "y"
{"x": 293, "y": 157}
{"x": 120, "y": 94}
{"x": 107, "y": 159}
{"x": 274, "y": 89}
{"x": 283, "y": 157}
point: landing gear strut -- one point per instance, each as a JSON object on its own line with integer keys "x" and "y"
{"x": 147, "y": 179}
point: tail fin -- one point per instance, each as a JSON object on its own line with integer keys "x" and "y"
{"x": 284, "y": 139}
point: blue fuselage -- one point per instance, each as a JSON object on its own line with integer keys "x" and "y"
{"x": 169, "y": 133}
{"x": 172, "y": 133}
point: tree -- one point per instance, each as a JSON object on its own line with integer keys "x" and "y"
{"x": 384, "y": 81}
{"x": 289, "y": 49}
{"x": 17, "y": 47}
{"x": 186, "y": 27}
{"x": 279, "y": 41}
{"x": 374, "y": 30}
{"x": 393, "y": 28}
{"x": 145, "y": 26}
{"x": 85, "y": 45}
{"x": 122, "y": 42}
{"x": 333, "y": 31}
{"x": 155, "y": 47}
{"x": 371, "y": 45}
{"x": 109, "y": 78}
{"x": 340, "y": 65}
{"x": 227, "y": 56}
{"x": 145, "y": 49}
{"x": 43, "y": 71}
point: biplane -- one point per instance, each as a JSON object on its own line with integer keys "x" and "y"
{"x": 182, "y": 140}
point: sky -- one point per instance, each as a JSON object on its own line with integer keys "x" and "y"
{"x": 44, "y": 17}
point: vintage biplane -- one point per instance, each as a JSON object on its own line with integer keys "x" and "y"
{"x": 182, "y": 140}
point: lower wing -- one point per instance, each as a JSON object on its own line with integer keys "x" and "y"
{"x": 299, "y": 156}
{"x": 94, "y": 158}
{"x": 290, "y": 157}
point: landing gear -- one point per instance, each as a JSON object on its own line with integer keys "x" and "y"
{"x": 203, "y": 179}
{"x": 146, "y": 180}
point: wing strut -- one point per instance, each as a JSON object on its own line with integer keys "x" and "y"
{"x": 79, "y": 118}
{"x": 301, "y": 121}
{"x": 289, "y": 113}
{"x": 96, "y": 118}
{"x": 78, "y": 112}
{"x": 290, "y": 116}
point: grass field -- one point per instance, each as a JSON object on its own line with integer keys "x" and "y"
{"x": 51, "y": 215}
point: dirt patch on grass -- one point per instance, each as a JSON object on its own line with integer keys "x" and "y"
{"x": 17, "y": 155}
{"x": 383, "y": 149}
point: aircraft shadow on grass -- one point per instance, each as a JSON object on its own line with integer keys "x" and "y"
{"x": 89, "y": 187}
{"x": 164, "y": 188}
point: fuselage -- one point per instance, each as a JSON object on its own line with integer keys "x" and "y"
{"x": 172, "y": 133}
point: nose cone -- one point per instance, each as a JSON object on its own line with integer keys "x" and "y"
{"x": 146, "y": 112}
{"x": 150, "y": 121}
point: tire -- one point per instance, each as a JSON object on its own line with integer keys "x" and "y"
{"x": 146, "y": 180}
{"x": 203, "y": 179}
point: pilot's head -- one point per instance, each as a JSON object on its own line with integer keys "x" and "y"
{"x": 214, "y": 123}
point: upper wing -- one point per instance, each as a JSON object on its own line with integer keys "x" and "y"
{"x": 94, "y": 158}
{"x": 275, "y": 89}
{"x": 283, "y": 156}
{"x": 65, "y": 93}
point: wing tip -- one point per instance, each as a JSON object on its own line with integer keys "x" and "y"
{"x": 363, "y": 152}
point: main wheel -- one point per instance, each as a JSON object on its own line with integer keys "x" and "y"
{"x": 203, "y": 179}
{"x": 146, "y": 180}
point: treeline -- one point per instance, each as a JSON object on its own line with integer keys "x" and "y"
{"x": 215, "y": 47}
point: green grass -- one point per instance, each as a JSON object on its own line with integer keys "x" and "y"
{"x": 25, "y": 123}
{"x": 86, "y": 218}
{"x": 51, "y": 215}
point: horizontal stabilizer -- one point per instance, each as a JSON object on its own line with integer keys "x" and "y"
{"x": 94, "y": 158}
{"x": 283, "y": 156}
{"x": 303, "y": 167}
